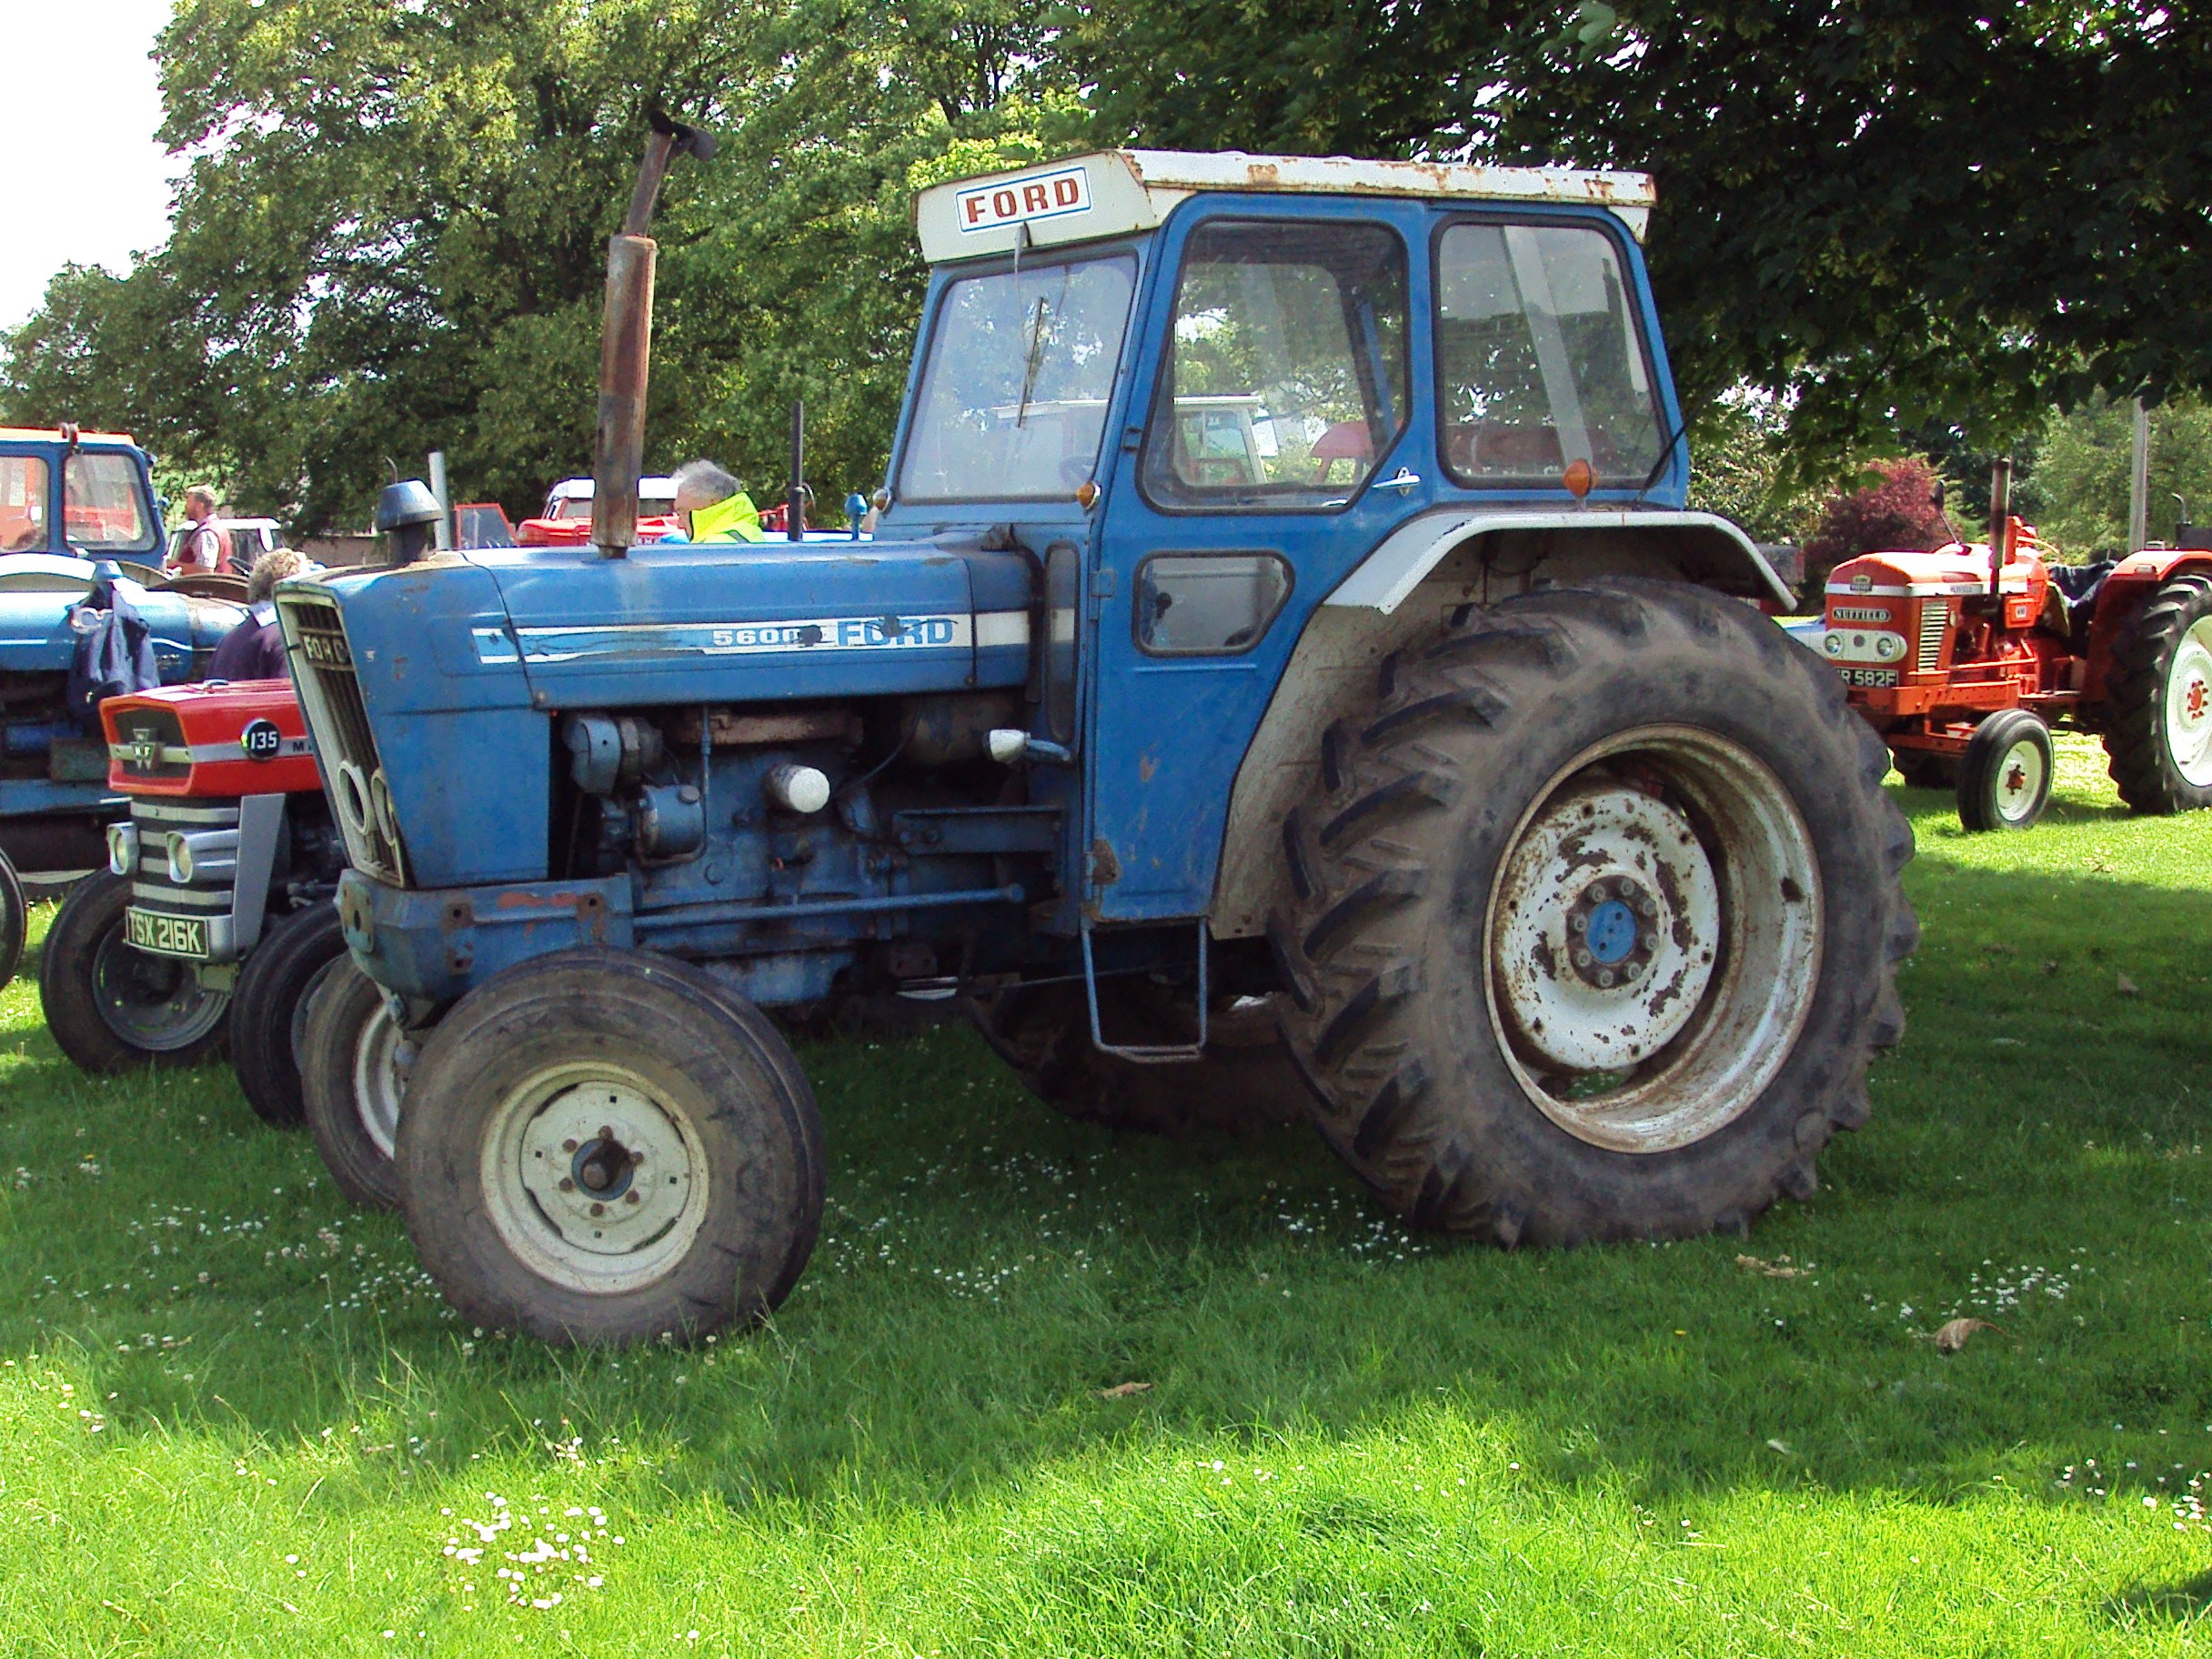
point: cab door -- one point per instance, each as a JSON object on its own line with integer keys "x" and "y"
{"x": 1275, "y": 434}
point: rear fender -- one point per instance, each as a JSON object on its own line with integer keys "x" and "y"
{"x": 1401, "y": 594}
{"x": 2131, "y": 583}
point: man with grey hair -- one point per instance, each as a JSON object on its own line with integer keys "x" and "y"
{"x": 200, "y": 548}
{"x": 712, "y": 505}
{"x": 255, "y": 649}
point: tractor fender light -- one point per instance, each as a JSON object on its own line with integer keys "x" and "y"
{"x": 1007, "y": 744}
{"x": 797, "y": 788}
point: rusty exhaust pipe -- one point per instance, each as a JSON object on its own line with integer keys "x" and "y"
{"x": 626, "y": 343}
{"x": 2000, "y": 533}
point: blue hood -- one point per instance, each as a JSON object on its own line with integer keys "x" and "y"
{"x": 38, "y": 591}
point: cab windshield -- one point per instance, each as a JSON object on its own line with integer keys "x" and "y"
{"x": 1013, "y": 393}
{"x": 103, "y": 505}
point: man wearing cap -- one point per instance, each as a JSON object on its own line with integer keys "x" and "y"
{"x": 713, "y": 506}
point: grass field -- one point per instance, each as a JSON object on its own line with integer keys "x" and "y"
{"x": 233, "y": 1419}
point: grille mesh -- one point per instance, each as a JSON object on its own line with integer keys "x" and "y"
{"x": 330, "y": 695}
{"x": 151, "y": 888}
{"x": 1934, "y": 623}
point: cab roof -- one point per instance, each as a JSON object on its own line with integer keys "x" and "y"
{"x": 54, "y": 435}
{"x": 1113, "y": 192}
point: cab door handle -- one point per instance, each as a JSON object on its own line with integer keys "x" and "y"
{"x": 1404, "y": 483}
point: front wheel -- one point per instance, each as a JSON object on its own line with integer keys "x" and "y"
{"x": 1594, "y": 933}
{"x": 14, "y": 919}
{"x": 2004, "y": 776}
{"x": 354, "y": 1064}
{"x": 2158, "y": 692}
{"x": 604, "y": 1146}
{"x": 112, "y": 1008}
{"x": 269, "y": 1010}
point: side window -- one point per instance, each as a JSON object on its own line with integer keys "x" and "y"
{"x": 1285, "y": 378}
{"x": 1539, "y": 363}
{"x": 102, "y": 509}
{"x": 1208, "y": 604}
{"x": 24, "y": 484}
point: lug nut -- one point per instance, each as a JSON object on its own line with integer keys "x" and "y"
{"x": 1604, "y": 979}
{"x": 1651, "y": 941}
{"x": 566, "y": 1185}
{"x": 1578, "y": 923}
{"x": 567, "y": 1146}
{"x": 1631, "y": 971}
{"x": 1581, "y": 959}
{"x": 598, "y": 1209}
{"x": 631, "y": 1199}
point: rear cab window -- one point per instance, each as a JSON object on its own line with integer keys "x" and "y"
{"x": 1539, "y": 358}
{"x": 25, "y": 487}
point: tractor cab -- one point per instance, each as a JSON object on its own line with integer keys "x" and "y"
{"x": 85, "y": 494}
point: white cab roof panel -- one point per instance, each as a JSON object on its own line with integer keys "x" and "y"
{"x": 1114, "y": 193}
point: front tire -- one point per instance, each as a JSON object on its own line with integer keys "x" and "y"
{"x": 604, "y": 1146}
{"x": 2004, "y": 776}
{"x": 112, "y": 1008}
{"x": 1595, "y": 933}
{"x": 2158, "y": 692}
{"x": 268, "y": 1009}
{"x": 14, "y": 919}
{"x": 354, "y": 1065}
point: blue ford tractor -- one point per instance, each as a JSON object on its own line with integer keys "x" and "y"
{"x": 1282, "y": 601}
{"x": 80, "y": 524}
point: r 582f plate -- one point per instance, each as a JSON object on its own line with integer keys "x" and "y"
{"x": 1868, "y": 677}
{"x": 165, "y": 935}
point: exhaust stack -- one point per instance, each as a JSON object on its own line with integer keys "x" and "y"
{"x": 626, "y": 343}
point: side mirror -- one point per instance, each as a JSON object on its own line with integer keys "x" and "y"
{"x": 1936, "y": 496}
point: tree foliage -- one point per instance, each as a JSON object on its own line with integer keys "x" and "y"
{"x": 1893, "y": 510}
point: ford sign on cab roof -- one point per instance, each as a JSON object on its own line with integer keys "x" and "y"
{"x": 1114, "y": 193}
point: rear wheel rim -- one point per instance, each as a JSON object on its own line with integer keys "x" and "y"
{"x": 568, "y": 1125}
{"x": 1653, "y": 941}
{"x": 2023, "y": 773}
{"x": 154, "y": 1003}
{"x": 382, "y": 1055}
{"x": 2188, "y": 704}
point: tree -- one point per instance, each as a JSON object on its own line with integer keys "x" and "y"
{"x": 1895, "y": 510}
{"x": 2083, "y": 472}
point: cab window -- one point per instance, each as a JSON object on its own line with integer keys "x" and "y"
{"x": 1285, "y": 378}
{"x": 104, "y": 508}
{"x": 1539, "y": 363}
{"x": 23, "y": 484}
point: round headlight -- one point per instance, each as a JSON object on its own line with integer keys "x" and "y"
{"x": 1887, "y": 646}
{"x": 1833, "y": 643}
{"x": 179, "y": 849}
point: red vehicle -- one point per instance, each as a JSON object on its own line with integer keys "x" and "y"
{"x": 1963, "y": 664}
{"x": 566, "y": 520}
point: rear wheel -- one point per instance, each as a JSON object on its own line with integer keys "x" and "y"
{"x": 1595, "y": 932}
{"x": 604, "y": 1146}
{"x": 354, "y": 1065}
{"x": 268, "y": 1009}
{"x": 1243, "y": 1083}
{"x": 2158, "y": 693}
{"x": 112, "y": 1008}
{"x": 2005, "y": 778}
{"x": 14, "y": 919}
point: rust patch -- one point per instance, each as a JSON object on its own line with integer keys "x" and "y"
{"x": 1146, "y": 767}
{"x": 1545, "y": 958}
{"x": 1105, "y": 867}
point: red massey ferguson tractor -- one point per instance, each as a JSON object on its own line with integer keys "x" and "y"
{"x": 213, "y": 923}
{"x": 1962, "y": 664}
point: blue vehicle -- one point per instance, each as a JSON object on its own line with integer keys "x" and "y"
{"x": 77, "y": 510}
{"x": 1283, "y": 601}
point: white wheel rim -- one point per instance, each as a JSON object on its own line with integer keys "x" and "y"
{"x": 382, "y": 1056}
{"x": 598, "y": 1240}
{"x": 2021, "y": 774}
{"x": 1653, "y": 939}
{"x": 2188, "y": 704}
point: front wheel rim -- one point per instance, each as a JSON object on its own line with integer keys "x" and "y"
{"x": 154, "y": 1003}
{"x": 2188, "y": 704}
{"x": 383, "y": 1054}
{"x": 2022, "y": 775}
{"x": 594, "y": 1178}
{"x": 1654, "y": 938}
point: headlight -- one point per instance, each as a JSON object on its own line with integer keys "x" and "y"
{"x": 1888, "y": 647}
{"x": 179, "y": 848}
{"x": 122, "y": 849}
{"x": 1833, "y": 643}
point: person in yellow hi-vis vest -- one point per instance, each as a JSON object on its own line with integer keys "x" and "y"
{"x": 713, "y": 506}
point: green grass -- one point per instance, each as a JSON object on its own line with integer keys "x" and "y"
{"x": 233, "y": 1419}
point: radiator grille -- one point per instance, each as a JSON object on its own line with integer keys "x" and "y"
{"x": 1934, "y": 623}
{"x": 151, "y": 889}
{"x": 330, "y": 695}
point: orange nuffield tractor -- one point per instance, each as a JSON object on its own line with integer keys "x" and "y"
{"x": 1963, "y": 663}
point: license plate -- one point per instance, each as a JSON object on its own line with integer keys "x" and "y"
{"x": 166, "y": 935}
{"x": 1869, "y": 677}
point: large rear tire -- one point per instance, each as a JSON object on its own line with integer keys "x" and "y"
{"x": 268, "y": 1009}
{"x": 606, "y": 1146}
{"x": 115, "y": 1009}
{"x": 354, "y": 1065}
{"x": 14, "y": 919}
{"x": 1595, "y": 932}
{"x": 1243, "y": 1083}
{"x": 2158, "y": 697}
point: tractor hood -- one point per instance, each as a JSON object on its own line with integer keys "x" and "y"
{"x": 38, "y": 591}
{"x": 1954, "y": 569}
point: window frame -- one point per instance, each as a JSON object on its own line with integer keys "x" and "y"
{"x": 150, "y": 538}
{"x": 1637, "y": 286}
{"x": 1161, "y": 400}
{"x": 967, "y": 271}
{"x": 1136, "y": 588}
{"x": 45, "y": 496}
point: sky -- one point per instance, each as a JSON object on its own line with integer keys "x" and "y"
{"x": 82, "y": 101}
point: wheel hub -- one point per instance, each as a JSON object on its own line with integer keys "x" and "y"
{"x": 1609, "y": 928}
{"x": 604, "y": 1173}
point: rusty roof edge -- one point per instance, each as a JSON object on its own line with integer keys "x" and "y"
{"x": 1239, "y": 170}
